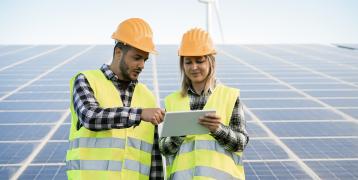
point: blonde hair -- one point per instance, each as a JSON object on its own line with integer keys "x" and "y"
{"x": 210, "y": 79}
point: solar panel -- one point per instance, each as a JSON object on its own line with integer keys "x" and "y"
{"x": 296, "y": 114}
{"x": 274, "y": 170}
{"x": 264, "y": 150}
{"x": 255, "y": 130}
{"x": 15, "y": 153}
{"x": 335, "y": 169}
{"x": 29, "y": 117}
{"x": 62, "y": 132}
{"x": 45, "y": 172}
{"x": 313, "y": 129}
{"x": 53, "y": 152}
{"x": 23, "y": 132}
{"x": 330, "y": 148}
{"x": 14, "y": 105}
{"x": 300, "y": 103}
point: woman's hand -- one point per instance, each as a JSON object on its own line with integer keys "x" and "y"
{"x": 210, "y": 121}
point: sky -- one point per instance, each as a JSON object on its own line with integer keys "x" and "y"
{"x": 243, "y": 21}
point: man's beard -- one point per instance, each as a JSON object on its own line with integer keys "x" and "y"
{"x": 124, "y": 70}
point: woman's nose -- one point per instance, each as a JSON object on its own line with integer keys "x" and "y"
{"x": 194, "y": 66}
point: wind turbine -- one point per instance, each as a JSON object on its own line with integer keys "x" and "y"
{"x": 209, "y": 13}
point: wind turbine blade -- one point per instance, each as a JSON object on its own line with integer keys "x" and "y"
{"x": 217, "y": 10}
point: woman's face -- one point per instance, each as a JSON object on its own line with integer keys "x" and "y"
{"x": 196, "y": 68}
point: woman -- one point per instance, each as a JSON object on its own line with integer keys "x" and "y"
{"x": 216, "y": 155}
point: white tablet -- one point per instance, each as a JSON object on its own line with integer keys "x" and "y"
{"x": 183, "y": 123}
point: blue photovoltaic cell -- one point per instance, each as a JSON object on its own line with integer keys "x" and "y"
{"x": 238, "y": 80}
{"x": 167, "y": 80}
{"x": 230, "y": 75}
{"x": 263, "y": 150}
{"x": 274, "y": 103}
{"x": 256, "y": 87}
{"x": 163, "y": 94}
{"x": 351, "y": 112}
{"x": 23, "y": 132}
{"x": 53, "y": 152}
{"x": 7, "y": 171}
{"x": 314, "y": 129}
{"x": 342, "y": 102}
{"x": 47, "y": 88}
{"x": 254, "y": 130}
{"x": 248, "y": 117}
{"x": 54, "y": 82}
{"x": 303, "y": 80}
{"x": 162, "y": 103}
{"x": 44, "y": 172}
{"x": 9, "y": 87}
{"x": 68, "y": 119}
{"x": 335, "y": 169}
{"x": 322, "y": 86}
{"x": 296, "y": 114}
{"x": 268, "y": 94}
{"x": 29, "y": 117}
{"x": 10, "y": 82}
{"x": 170, "y": 87}
{"x": 274, "y": 170}
{"x": 14, "y": 153}
{"x": 40, "y": 96}
{"x": 62, "y": 132}
{"x": 16, "y": 57}
{"x": 324, "y": 148}
{"x": 146, "y": 81}
{"x": 34, "y": 105}
{"x": 337, "y": 93}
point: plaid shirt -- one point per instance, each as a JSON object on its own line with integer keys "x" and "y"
{"x": 233, "y": 137}
{"x": 95, "y": 118}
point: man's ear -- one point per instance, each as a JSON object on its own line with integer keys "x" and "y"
{"x": 118, "y": 52}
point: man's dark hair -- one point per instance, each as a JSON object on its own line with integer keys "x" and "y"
{"x": 123, "y": 47}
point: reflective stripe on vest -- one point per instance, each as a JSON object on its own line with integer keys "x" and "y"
{"x": 110, "y": 143}
{"x": 208, "y": 145}
{"x": 85, "y": 142}
{"x": 103, "y": 165}
{"x": 203, "y": 172}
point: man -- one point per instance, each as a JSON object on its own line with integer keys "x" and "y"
{"x": 114, "y": 117}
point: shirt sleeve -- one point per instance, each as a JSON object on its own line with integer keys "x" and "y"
{"x": 94, "y": 117}
{"x": 156, "y": 168}
{"x": 170, "y": 145}
{"x": 233, "y": 137}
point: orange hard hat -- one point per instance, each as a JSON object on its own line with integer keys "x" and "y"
{"x": 196, "y": 42}
{"x": 137, "y": 33}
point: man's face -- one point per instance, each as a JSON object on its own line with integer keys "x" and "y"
{"x": 132, "y": 63}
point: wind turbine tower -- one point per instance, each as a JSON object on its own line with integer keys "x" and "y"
{"x": 210, "y": 4}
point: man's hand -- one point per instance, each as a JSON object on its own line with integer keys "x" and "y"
{"x": 210, "y": 121}
{"x": 152, "y": 115}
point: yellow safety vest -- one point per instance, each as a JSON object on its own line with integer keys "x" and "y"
{"x": 201, "y": 156}
{"x": 111, "y": 154}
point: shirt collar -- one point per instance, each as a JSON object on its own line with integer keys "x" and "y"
{"x": 113, "y": 77}
{"x": 192, "y": 91}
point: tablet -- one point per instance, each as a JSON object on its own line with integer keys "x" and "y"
{"x": 183, "y": 123}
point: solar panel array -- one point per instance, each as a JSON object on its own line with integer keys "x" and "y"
{"x": 301, "y": 106}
